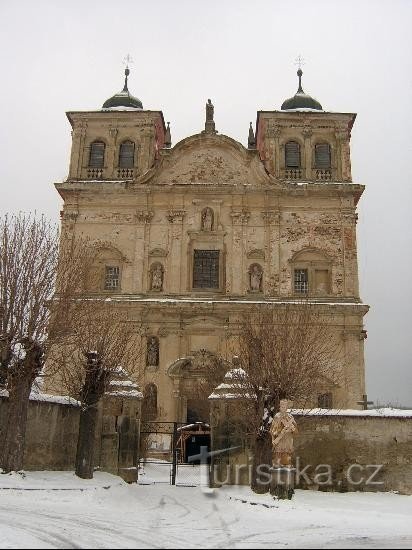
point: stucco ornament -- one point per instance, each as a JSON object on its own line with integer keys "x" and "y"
{"x": 282, "y": 430}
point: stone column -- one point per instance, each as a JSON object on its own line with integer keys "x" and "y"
{"x": 111, "y": 153}
{"x": 238, "y": 275}
{"x": 271, "y": 219}
{"x": 143, "y": 219}
{"x": 175, "y": 218}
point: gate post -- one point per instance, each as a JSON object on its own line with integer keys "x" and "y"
{"x": 174, "y": 453}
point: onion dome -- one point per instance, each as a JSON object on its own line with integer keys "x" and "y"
{"x": 123, "y": 100}
{"x": 301, "y": 100}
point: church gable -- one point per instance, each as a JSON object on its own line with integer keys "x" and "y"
{"x": 212, "y": 159}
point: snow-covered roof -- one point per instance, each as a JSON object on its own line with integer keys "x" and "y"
{"x": 372, "y": 413}
{"x": 46, "y": 398}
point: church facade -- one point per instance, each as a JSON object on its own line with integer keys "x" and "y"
{"x": 191, "y": 237}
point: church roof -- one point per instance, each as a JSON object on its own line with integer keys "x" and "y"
{"x": 301, "y": 100}
{"x": 123, "y": 100}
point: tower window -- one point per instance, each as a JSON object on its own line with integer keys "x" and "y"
{"x": 206, "y": 269}
{"x": 301, "y": 281}
{"x": 292, "y": 154}
{"x": 112, "y": 278}
{"x": 322, "y": 156}
{"x": 126, "y": 155}
{"x": 96, "y": 159}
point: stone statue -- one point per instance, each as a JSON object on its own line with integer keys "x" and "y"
{"x": 157, "y": 277}
{"x": 209, "y": 111}
{"x": 152, "y": 357}
{"x": 256, "y": 278}
{"x": 282, "y": 430}
{"x": 207, "y": 219}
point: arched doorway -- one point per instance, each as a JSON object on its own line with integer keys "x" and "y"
{"x": 194, "y": 378}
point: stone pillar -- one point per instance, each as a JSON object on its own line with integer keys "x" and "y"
{"x": 175, "y": 218}
{"x": 351, "y": 278}
{"x": 120, "y": 432}
{"x": 271, "y": 220}
{"x": 354, "y": 366}
{"x": 77, "y": 152}
{"x": 307, "y": 152}
{"x": 238, "y": 274}
{"x": 112, "y": 153}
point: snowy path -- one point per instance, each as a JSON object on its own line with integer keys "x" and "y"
{"x": 160, "y": 516}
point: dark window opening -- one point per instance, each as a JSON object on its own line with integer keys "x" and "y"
{"x": 126, "y": 155}
{"x": 325, "y": 401}
{"x": 206, "y": 269}
{"x": 322, "y": 156}
{"x": 292, "y": 154}
{"x": 96, "y": 159}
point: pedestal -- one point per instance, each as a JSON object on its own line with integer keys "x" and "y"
{"x": 282, "y": 483}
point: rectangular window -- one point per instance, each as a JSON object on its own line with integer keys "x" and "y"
{"x": 206, "y": 269}
{"x": 325, "y": 401}
{"x": 301, "y": 281}
{"x": 112, "y": 278}
{"x": 322, "y": 156}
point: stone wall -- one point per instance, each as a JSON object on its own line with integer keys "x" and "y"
{"x": 52, "y": 432}
{"x": 51, "y": 436}
{"x": 335, "y": 450}
{"x": 365, "y": 441}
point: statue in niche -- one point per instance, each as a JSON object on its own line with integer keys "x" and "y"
{"x": 282, "y": 431}
{"x": 255, "y": 274}
{"x": 207, "y": 219}
{"x": 156, "y": 274}
{"x": 152, "y": 355}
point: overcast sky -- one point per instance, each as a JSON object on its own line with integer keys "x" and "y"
{"x": 67, "y": 55}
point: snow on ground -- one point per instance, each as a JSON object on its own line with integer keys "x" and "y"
{"x": 38, "y": 511}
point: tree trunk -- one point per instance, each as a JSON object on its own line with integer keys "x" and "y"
{"x": 260, "y": 482}
{"x": 12, "y": 453}
{"x": 85, "y": 442}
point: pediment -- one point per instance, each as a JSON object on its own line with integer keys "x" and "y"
{"x": 210, "y": 159}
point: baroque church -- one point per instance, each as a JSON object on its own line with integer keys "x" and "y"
{"x": 189, "y": 238}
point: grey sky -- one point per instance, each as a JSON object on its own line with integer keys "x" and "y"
{"x": 58, "y": 56}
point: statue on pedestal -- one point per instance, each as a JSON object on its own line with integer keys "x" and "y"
{"x": 210, "y": 122}
{"x": 282, "y": 430}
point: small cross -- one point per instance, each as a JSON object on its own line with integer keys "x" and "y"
{"x": 128, "y": 60}
{"x": 299, "y": 61}
{"x": 365, "y": 403}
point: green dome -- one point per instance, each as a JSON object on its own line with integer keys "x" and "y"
{"x": 301, "y": 100}
{"x": 123, "y": 99}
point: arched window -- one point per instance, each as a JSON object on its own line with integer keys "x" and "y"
{"x": 149, "y": 405}
{"x": 292, "y": 154}
{"x": 96, "y": 159}
{"x": 126, "y": 155}
{"x": 322, "y": 156}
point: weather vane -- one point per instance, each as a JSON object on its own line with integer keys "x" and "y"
{"x": 299, "y": 61}
{"x": 128, "y": 60}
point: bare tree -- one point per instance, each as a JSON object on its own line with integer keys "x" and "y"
{"x": 98, "y": 346}
{"x": 285, "y": 352}
{"x": 29, "y": 256}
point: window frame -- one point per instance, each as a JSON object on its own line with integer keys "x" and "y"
{"x": 219, "y": 256}
{"x": 316, "y": 165}
{"x": 299, "y": 154}
{"x": 92, "y": 163}
{"x": 107, "y": 278}
{"x": 132, "y": 157}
